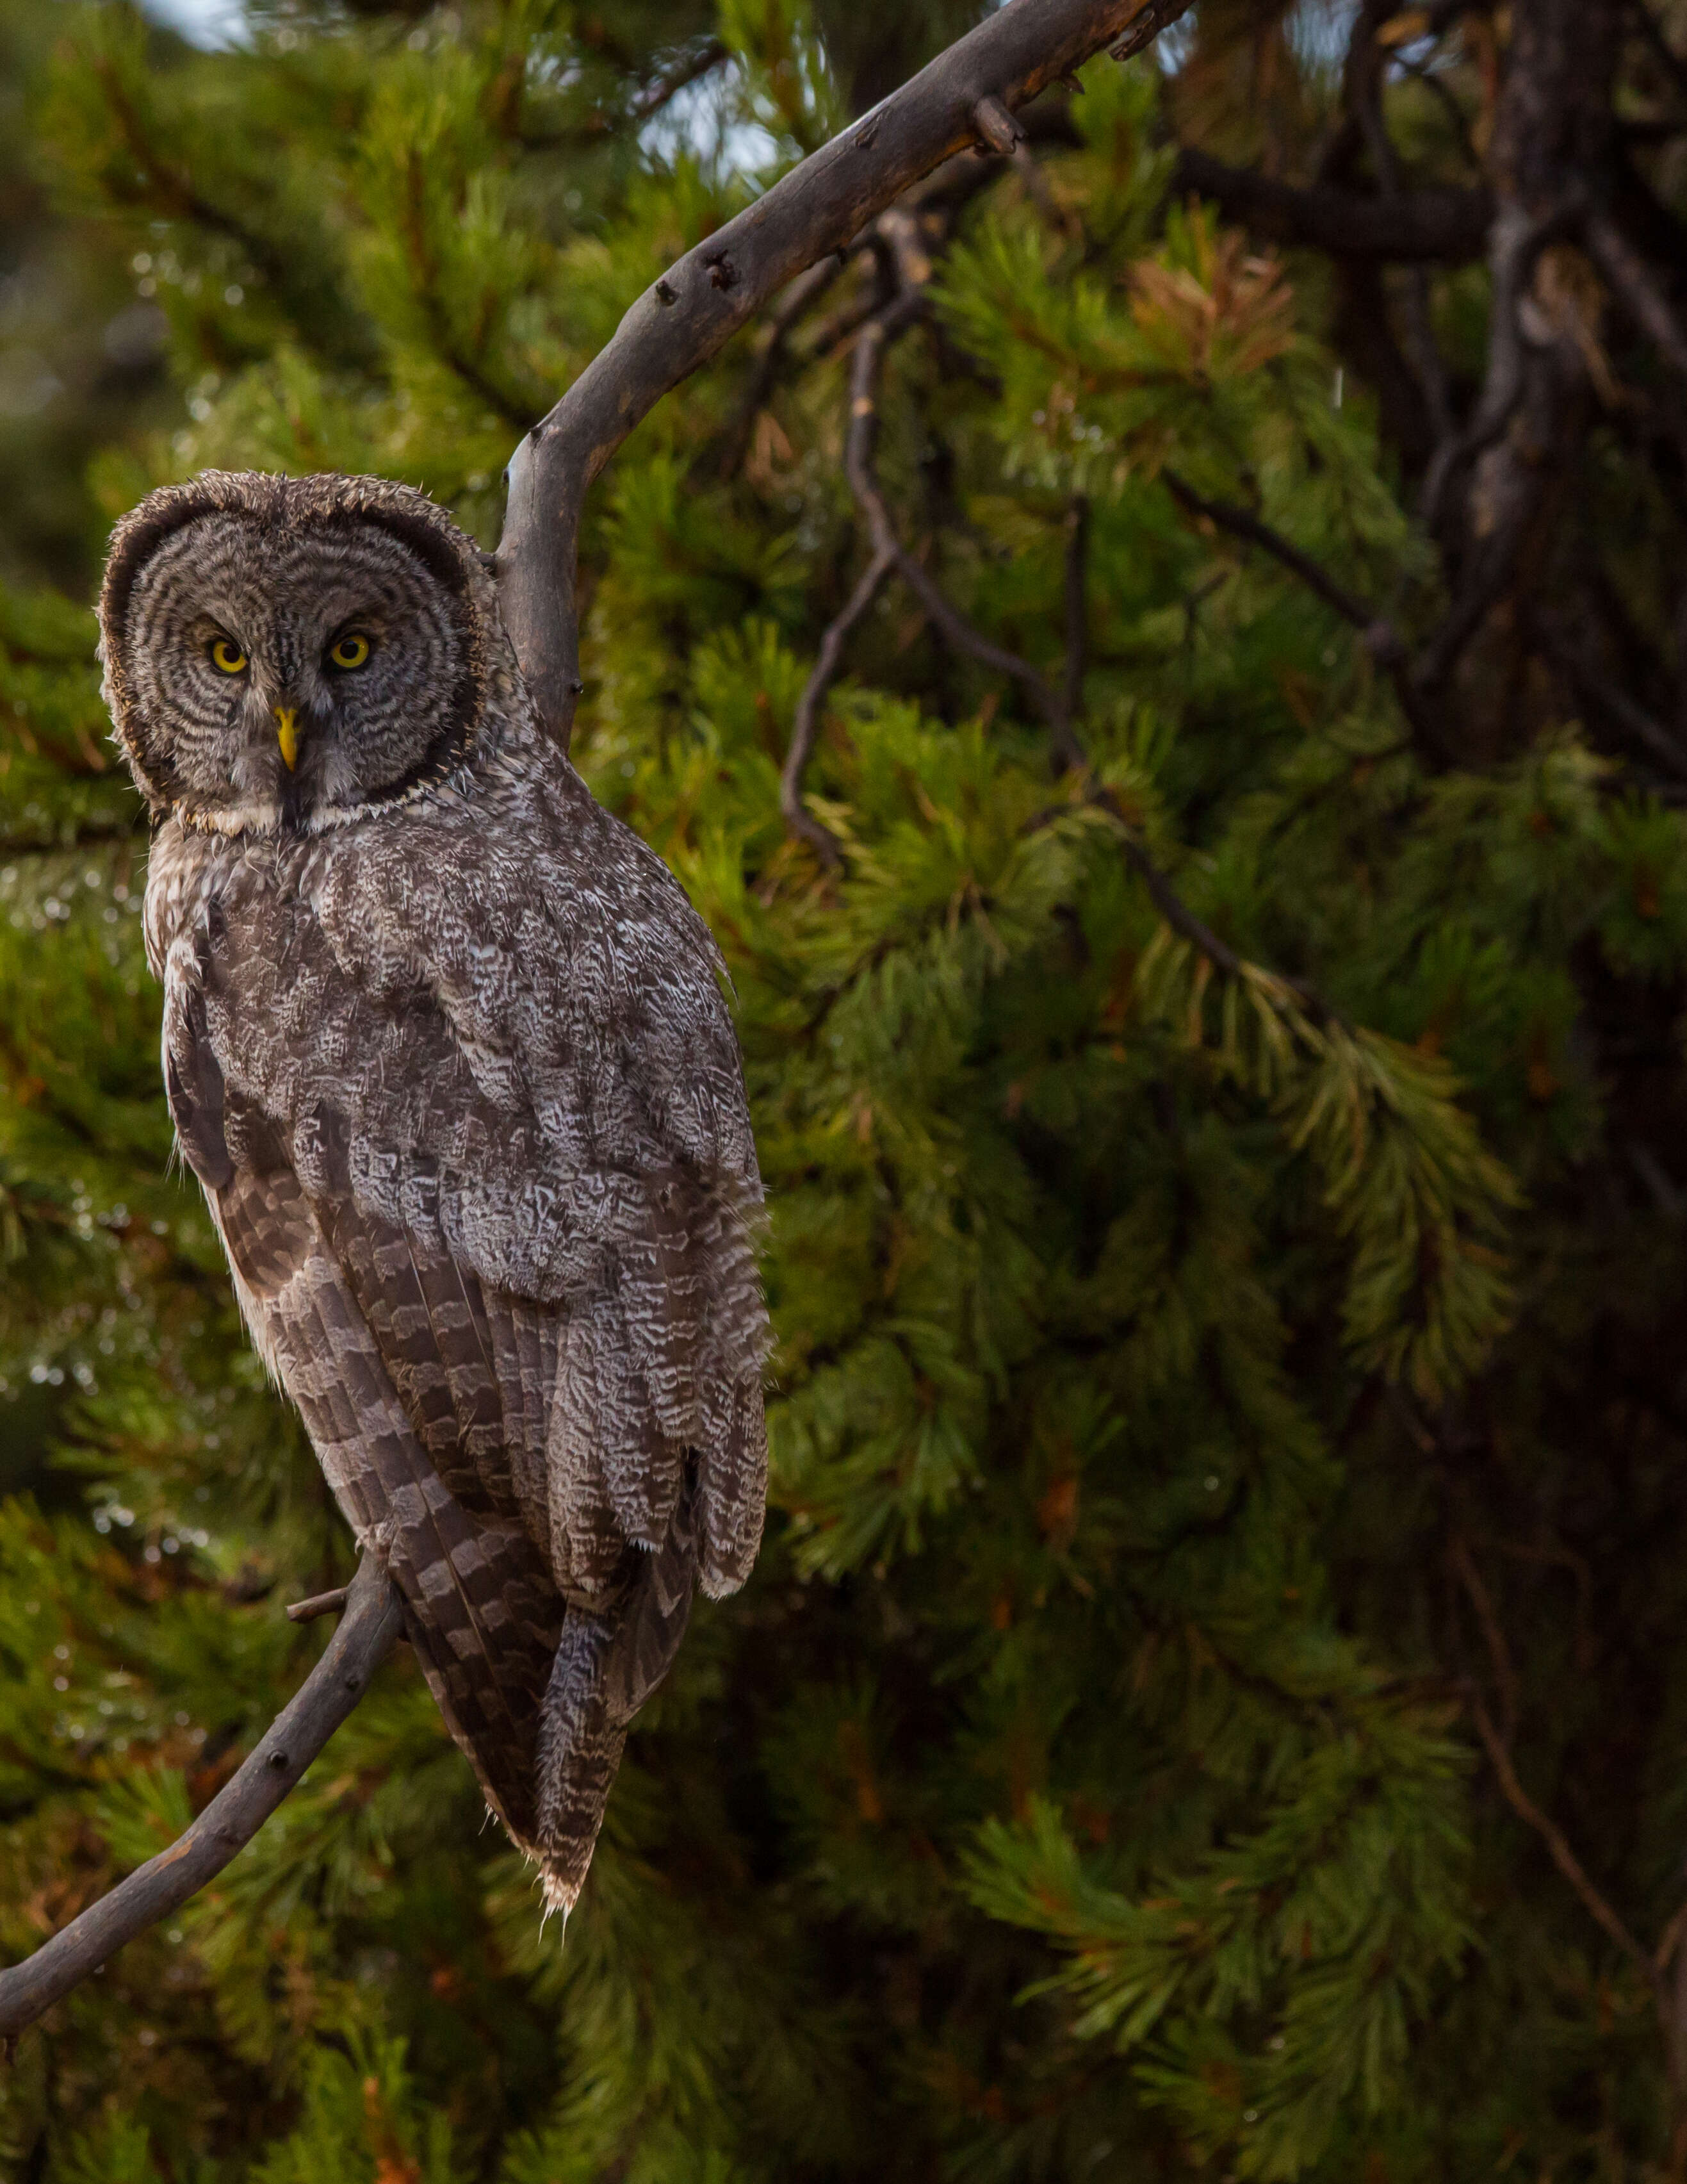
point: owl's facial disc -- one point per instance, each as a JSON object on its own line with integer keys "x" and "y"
{"x": 290, "y": 675}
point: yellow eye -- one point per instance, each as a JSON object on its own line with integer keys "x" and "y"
{"x": 348, "y": 651}
{"x": 227, "y": 656}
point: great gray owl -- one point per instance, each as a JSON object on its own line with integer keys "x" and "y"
{"x": 445, "y": 1044}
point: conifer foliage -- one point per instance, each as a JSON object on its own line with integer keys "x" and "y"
{"x": 1207, "y": 1702}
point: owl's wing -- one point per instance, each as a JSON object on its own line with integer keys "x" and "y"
{"x": 495, "y": 1241}
{"x": 482, "y": 1612}
{"x": 561, "y": 1080}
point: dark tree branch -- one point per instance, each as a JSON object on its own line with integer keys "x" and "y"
{"x": 1561, "y": 1854}
{"x": 910, "y": 233}
{"x": 806, "y": 727}
{"x": 1630, "y": 280}
{"x": 890, "y": 556}
{"x": 1166, "y": 898}
{"x": 805, "y": 290}
{"x": 953, "y": 627}
{"x": 1176, "y": 912}
{"x": 1367, "y": 66}
{"x": 685, "y": 317}
{"x": 1499, "y": 1652}
{"x": 1241, "y": 523}
{"x": 1432, "y": 226}
{"x": 1592, "y": 689}
{"x": 689, "y": 68}
{"x": 319, "y": 1603}
{"x": 373, "y": 1620}
{"x": 1382, "y": 641}
{"x": 1669, "y": 1999}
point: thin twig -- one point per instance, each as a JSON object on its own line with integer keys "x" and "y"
{"x": 1594, "y": 689}
{"x": 859, "y": 448}
{"x": 1498, "y": 1653}
{"x": 890, "y": 555}
{"x": 1562, "y": 1856}
{"x": 373, "y": 1619}
{"x": 649, "y": 103}
{"x": 1366, "y": 68}
{"x": 806, "y": 726}
{"x": 319, "y": 1603}
{"x": 1498, "y": 1748}
{"x": 1630, "y": 280}
{"x": 1382, "y": 640}
{"x": 1166, "y": 898}
{"x": 1176, "y": 912}
{"x": 1242, "y": 523}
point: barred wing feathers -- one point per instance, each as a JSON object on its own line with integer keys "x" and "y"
{"x": 470, "y": 1113}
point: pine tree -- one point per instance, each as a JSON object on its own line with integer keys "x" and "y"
{"x": 1206, "y": 1701}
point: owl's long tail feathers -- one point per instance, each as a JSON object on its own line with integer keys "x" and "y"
{"x": 606, "y": 1666}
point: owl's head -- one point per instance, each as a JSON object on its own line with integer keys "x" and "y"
{"x": 284, "y": 653}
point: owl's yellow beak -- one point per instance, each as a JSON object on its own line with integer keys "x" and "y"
{"x": 288, "y": 717}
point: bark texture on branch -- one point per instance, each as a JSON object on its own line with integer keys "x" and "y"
{"x": 696, "y": 307}
{"x": 370, "y": 1627}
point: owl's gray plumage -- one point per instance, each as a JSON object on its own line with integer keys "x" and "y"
{"x": 445, "y": 1044}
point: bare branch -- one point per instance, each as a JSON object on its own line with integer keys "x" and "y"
{"x": 888, "y": 554}
{"x": 319, "y": 1603}
{"x": 953, "y": 627}
{"x": 1630, "y": 280}
{"x": 1562, "y": 1856}
{"x": 1382, "y": 641}
{"x": 806, "y": 726}
{"x": 1498, "y": 1748}
{"x": 1604, "y": 696}
{"x": 1242, "y": 523}
{"x": 373, "y": 1620}
{"x": 1166, "y": 898}
{"x": 695, "y": 308}
{"x": 603, "y": 121}
{"x": 1499, "y": 1652}
{"x": 1432, "y": 226}
{"x": 1174, "y": 910}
